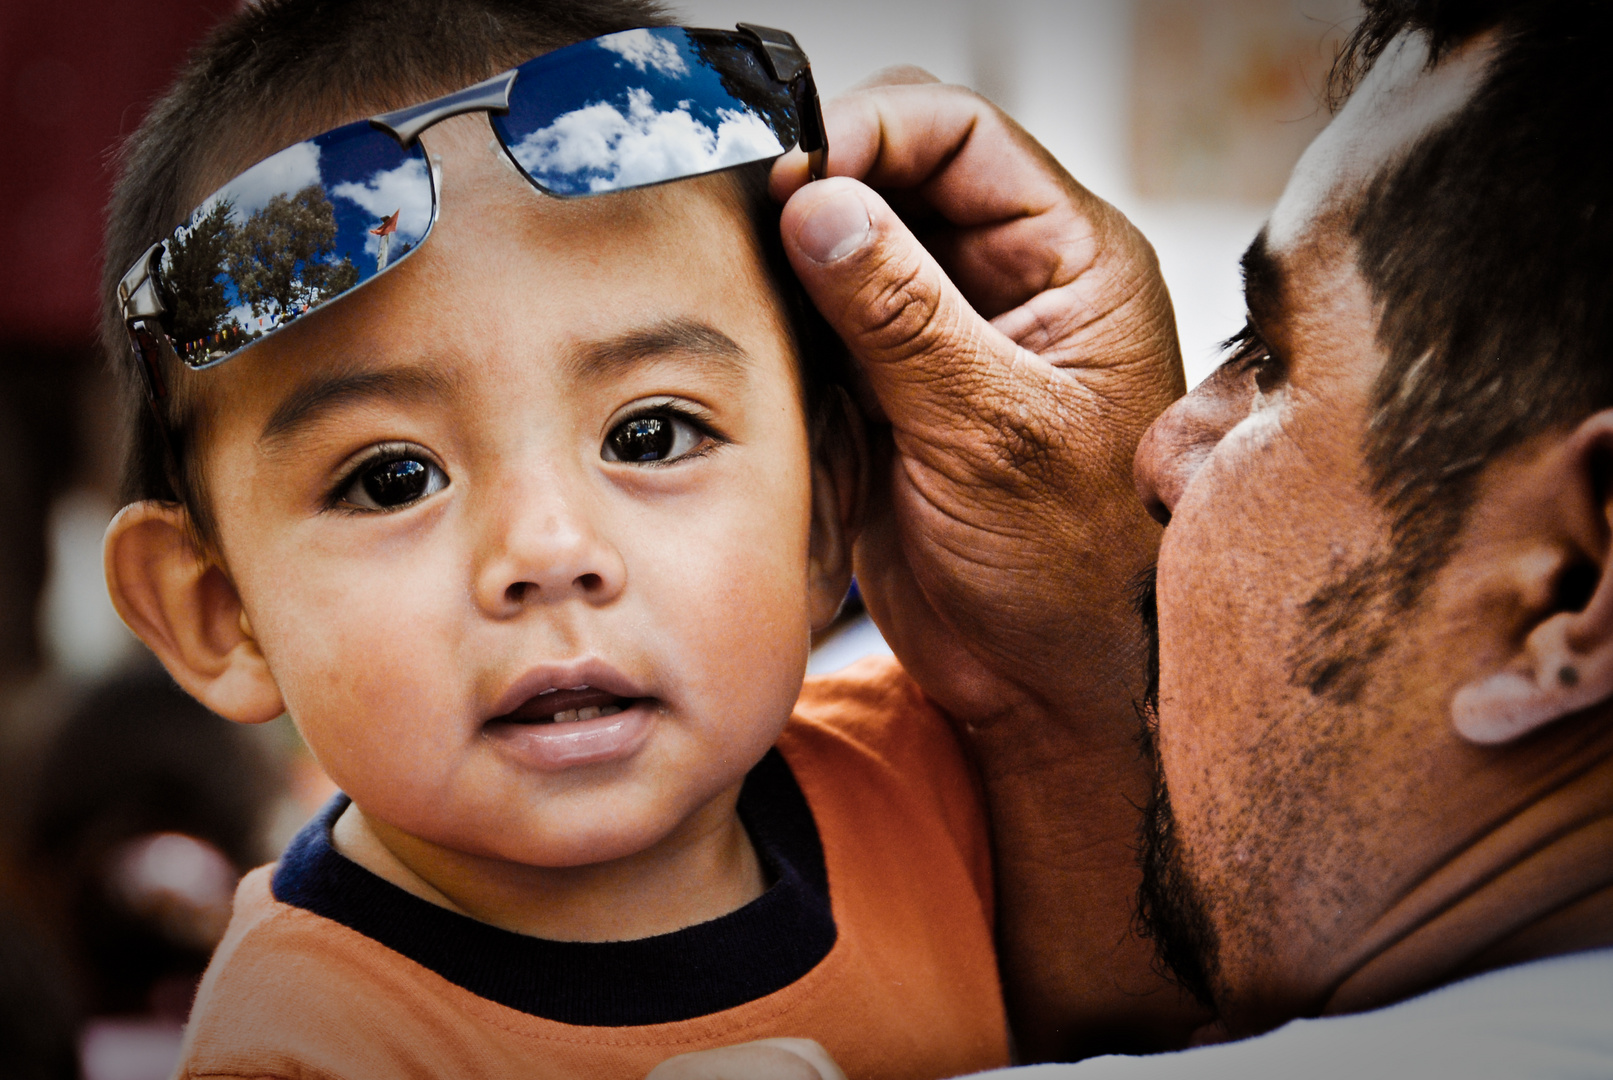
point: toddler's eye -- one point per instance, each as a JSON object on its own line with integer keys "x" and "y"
{"x": 658, "y": 436}
{"x": 393, "y": 481}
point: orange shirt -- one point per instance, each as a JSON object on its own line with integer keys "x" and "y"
{"x": 875, "y": 940}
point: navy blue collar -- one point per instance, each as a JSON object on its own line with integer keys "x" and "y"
{"x": 742, "y": 956}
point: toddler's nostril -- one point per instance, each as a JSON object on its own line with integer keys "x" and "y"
{"x": 517, "y": 592}
{"x": 590, "y": 582}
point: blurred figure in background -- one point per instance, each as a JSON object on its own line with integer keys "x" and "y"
{"x": 141, "y": 812}
{"x": 120, "y": 815}
{"x": 38, "y": 1009}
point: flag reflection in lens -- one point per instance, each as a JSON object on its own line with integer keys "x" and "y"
{"x": 290, "y": 234}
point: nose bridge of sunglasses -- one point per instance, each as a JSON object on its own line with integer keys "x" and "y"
{"x": 489, "y": 95}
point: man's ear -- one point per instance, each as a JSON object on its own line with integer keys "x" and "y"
{"x": 184, "y": 607}
{"x": 839, "y": 492}
{"x": 1564, "y": 578}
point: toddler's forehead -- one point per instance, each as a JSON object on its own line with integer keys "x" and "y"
{"x": 506, "y": 266}
{"x": 672, "y": 269}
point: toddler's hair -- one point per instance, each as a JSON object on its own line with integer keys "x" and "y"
{"x": 282, "y": 70}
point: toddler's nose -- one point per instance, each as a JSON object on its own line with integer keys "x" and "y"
{"x": 549, "y": 553}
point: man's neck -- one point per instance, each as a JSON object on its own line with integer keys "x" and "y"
{"x": 1537, "y": 884}
{"x": 705, "y": 869}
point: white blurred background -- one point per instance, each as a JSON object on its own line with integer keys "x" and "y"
{"x": 1186, "y": 114}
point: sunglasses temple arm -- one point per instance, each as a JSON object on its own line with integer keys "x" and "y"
{"x": 143, "y": 308}
{"x": 146, "y": 340}
{"x": 813, "y": 139}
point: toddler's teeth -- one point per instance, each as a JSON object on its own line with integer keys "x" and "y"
{"x": 584, "y": 686}
{"x": 588, "y": 713}
{"x": 565, "y": 716}
{"x": 609, "y": 710}
{"x": 546, "y": 693}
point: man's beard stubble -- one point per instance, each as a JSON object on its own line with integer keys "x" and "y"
{"x": 1171, "y": 911}
{"x": 1346, "y": 629}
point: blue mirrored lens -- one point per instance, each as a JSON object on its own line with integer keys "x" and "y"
{"x": 291, "y": 234}
{"x": 642, "y": 107}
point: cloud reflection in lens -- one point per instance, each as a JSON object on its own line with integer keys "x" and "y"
{"x": 602, "y": 148}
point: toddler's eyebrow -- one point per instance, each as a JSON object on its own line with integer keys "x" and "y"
{"x": 321, "y": 394}
{"x": 690, "y": 339}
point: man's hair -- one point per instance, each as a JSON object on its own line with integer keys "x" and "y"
{"x": 1488, "y": 251}
{"x": 283, "y": 69}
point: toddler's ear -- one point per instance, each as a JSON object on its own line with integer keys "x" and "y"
{"x": 185, "y": 608}
{"x": 839, "y": 493}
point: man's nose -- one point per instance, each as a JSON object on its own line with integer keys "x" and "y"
{"x": 1181, "y": 440}
{"x": 544, "y": 548}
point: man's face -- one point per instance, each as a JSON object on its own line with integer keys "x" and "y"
{"x": 561, "y": 446}
{"x": 1299, "y": 720}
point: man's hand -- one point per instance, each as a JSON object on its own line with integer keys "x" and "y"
{"x": 765, "y": 1059}
{"x": 1011, "y": 519}
{"x": 1017, "y": 355}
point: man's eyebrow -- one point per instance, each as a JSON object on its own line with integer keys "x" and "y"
{"x": 1262, "y": 281}
{"x": 318, "y": 396}
{"x": 680, "y": 339}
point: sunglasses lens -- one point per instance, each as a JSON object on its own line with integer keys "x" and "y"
{"x": 642, "y": 107}
{"x": 289, "y": 235}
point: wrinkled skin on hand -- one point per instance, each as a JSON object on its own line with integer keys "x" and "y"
{"x": 1015, "y": 357}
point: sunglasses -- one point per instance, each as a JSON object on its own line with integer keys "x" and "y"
{"x": 308, "y": 225}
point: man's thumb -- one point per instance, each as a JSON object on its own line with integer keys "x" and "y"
{"x": 884, "y": 294}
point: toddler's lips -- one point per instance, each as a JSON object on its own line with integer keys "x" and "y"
{"x": 562, "y": 729}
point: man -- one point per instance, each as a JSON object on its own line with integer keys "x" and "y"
{"x": 1384, "y": 722}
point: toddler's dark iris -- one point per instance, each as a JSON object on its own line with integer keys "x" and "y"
{"x": 397, "y": 482}
{"x": 649, "y": 438}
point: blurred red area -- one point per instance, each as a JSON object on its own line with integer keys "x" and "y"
{"x": 78, "y": 77}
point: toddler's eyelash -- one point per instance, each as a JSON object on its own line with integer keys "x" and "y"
{"x": 384, "y": 452}
{"x": 697, "y": 417}
{"x": 689, "y": 416}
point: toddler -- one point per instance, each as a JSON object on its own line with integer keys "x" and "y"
{"x": 483, "y": 430}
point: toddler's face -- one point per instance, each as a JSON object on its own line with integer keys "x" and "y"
{"x": 562, "y": 445}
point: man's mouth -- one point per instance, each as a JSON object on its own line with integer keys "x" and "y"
{"x": 568, "y": 706}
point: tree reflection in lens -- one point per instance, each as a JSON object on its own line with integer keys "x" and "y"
{"x": 192, "y": 268}
{"x": 283, "y": 258}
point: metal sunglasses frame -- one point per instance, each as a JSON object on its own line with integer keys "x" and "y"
{"x": 141, "y": 299}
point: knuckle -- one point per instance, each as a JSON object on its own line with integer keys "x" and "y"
{"x": 901, "y": 312}
{"x": 1030, "y": 430}
{"x": 1023, "y": 445}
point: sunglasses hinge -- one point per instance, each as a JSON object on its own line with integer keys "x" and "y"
{"x": 137, "y": 291}
{"x": 784, "y": 56}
